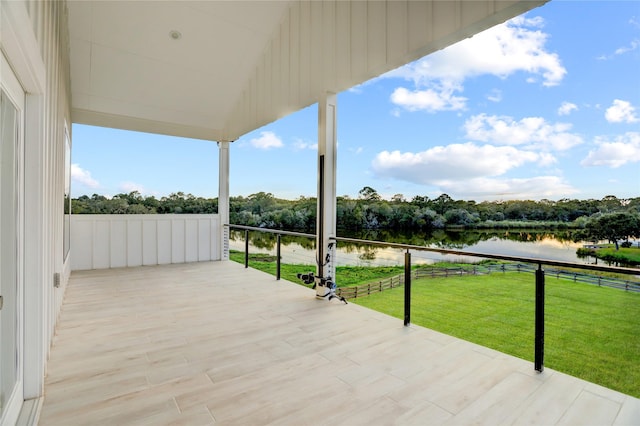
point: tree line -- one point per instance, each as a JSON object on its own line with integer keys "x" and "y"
{"x": 369, "y": 211}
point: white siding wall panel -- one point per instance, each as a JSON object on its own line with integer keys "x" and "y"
{"x": 134, "y": 243}
{"x": 294, "y": 56}
{"x": 267, "y": 83}
{"x": 358, "y": 39}
{"x": 192, "y": 244}
{"x": 102, "y": 244}
{"x": 397, "y": 24}
{"x": 113, "y": 241}
{"x": 444, "y": 20}
{"x": 470, "y": 10}
{"x": 316, "y": 58}
{"x": 376, "y": 38}
{"x": 149, "y": 242}
{"x": 305, "y": 52}
{"x": 82, "y": 236}
{"x": 204, "y": 240}
{"x": 283, "y": 84}
{"x": 343, "y": 39}
{"x": 164, "y": 242}
{"x": 276, "y": 70}
{"x": 419, "y": 27}
{"x": 328, "y": 39}
{"x": 118, "y": 245}
{"x": 178, "y": 238}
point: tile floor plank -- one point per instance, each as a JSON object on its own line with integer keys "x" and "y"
{"x": 215, "y": 343}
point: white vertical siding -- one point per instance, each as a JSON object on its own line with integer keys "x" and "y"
{"x": 115, "y": 241}
{"x": 36, "y": 44}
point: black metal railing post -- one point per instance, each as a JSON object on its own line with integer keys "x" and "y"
{"x": 278, "y": 258}
{"x": 539, "y": 340}
{"x": 246, "y": 248}
{"x": 407, "y": 288}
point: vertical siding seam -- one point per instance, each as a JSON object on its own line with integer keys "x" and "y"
{"x": 126, "y": 240}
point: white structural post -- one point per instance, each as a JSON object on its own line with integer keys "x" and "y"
{"x": 223, "y": 199}
{"x": 326, "y": 212}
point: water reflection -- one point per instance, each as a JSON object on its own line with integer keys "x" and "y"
{"x": 550, "y": 245}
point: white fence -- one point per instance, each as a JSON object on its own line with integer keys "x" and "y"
{"x": 114, "y": 241}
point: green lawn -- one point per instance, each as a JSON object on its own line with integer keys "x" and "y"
{"x": 348, "y": 275}
{"x": 590, "y": 332}
{"x": 630, "y": 255}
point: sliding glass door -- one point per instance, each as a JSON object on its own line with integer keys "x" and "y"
{"x": 11, "y": 305}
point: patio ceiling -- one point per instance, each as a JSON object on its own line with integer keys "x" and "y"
{"x": 216, "y": 70}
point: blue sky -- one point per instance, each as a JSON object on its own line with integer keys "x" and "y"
{"x": 546, "y": 105}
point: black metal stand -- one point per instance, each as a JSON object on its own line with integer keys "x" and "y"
{"x": 332, "y": 290}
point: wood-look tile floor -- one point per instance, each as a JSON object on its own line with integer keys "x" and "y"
{"x": 214, "y": 343}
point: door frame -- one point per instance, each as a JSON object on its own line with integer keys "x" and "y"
{"x": 12, "y": 88}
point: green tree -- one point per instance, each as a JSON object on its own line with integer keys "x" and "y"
{"x": 612, "y": 227}
{"x": 398, "y": 198}
{"x": 369, "y": 194}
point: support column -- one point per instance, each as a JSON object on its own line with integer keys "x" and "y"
{"x": 326, "y": 212}
{"x": 223, "y": 199}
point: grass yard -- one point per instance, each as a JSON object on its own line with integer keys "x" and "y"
{"x": 630, "y": 255}
{"x": 590, "y": 332}
{"x": 348, "y": 275}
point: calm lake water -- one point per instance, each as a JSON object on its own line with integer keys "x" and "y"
{"x": 549, "y": 245}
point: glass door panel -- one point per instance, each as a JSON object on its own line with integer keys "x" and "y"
{"x": 11, "y": 107}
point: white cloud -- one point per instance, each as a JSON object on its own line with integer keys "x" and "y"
{"x": 633, "y": 45}
{"x": 567, "y": 108}
{"x": 621, "y": 112}
{"x": 83, "y": 177}
{"x": 267, "y": 140}
{"x": 515, "y": 46}
{"x": 538, "y": 187}
{"x": 624, "y": 149}
{"x": 530, "y": 132}
{"x": 630, "y": 48}
{"x": 546, "y": 159}
{"x": 452, "y": 162}
{"x": 495, "y": 96}
{"x": 428, "y": 100}
{"x": 300, "y": 144}
{"x": 127, "y": 187}
{"x": 472, "y": 171}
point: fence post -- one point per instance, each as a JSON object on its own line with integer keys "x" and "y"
{"x": 407, "y": 288}
{"x": 539, "y": 327}
{"x": 278, "y": 258}
{"x": 246, "y": 248}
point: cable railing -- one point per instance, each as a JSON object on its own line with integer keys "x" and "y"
{"x": 520, "y": 263}
{"x": 377, "y": 286}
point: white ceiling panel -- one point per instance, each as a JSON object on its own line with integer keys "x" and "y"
{"x": 237, "y": 65}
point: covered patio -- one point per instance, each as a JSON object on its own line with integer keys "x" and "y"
{"x": 198, "y": 343}
{"x": 213, "y": 342}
